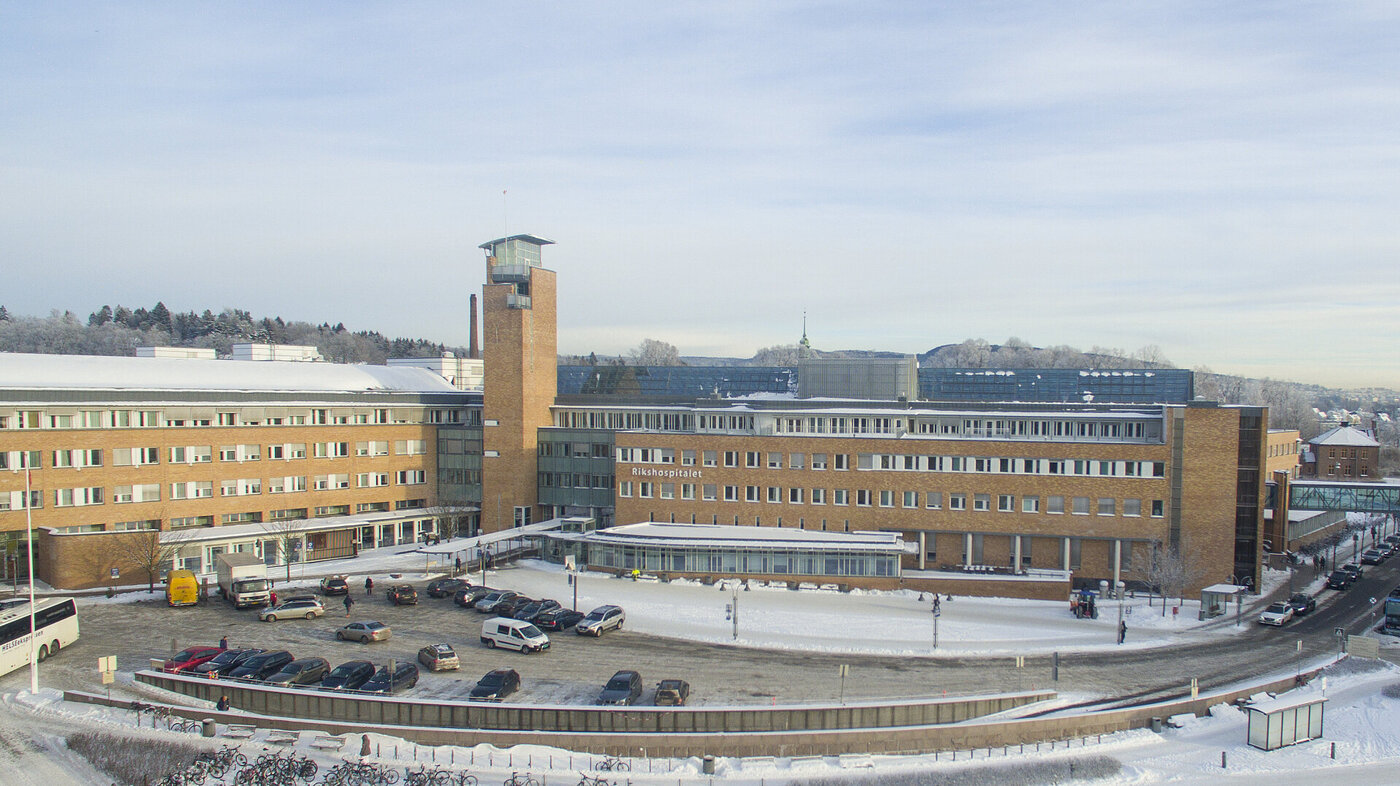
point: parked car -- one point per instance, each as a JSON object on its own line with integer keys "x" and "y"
{"x": 262, "y": 666}
{"x": 402, "y": 595}
{"x": 496, "y": 685}
{"x": 348, "y": 676}
{"x": 601, "y": 619}
{"x": 1354, "y": 569}
{"x": 468, "y": 596}
{"x": 1395, "y": 591}
{"x": 488, "y": 602}
{"x": 187, "y": 659}
{"x": 364, "y": 632}
{"x": 511, "y": 608}
{"x": 303, "y": 607}
{"x": 335, "y": 585}
{"x": 1276, "y": 614}
{"x": 1302, "y": 604}
{"x": 439, "y": 657}
{"x": 1339, "y": 579}
{"x": 531, "y": 611}
{"x": 405, "y": 676}
{"x": 557, "y": 619}
{"x": 226, "y": 662}
{"x": 446, "y": 588}
{"x": 672, "y": 693}
{"x": 513, "y": 635}
{"x": 1372, "y": 557}
{"x": 306, "y": 671}
{"x": 625, "y": 687}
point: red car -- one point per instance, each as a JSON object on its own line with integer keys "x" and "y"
{"x": 189, "y": 658}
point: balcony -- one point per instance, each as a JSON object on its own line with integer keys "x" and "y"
{"x": 510, "y": 273}
{"x": 517, "y": 301}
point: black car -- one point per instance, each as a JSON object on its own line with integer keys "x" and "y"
{"x": 443, "y": 588}
{"x": 307, "y": 671}
{"x": 1339, "y": 579}
{"x": 1372, "y": 557}
{"x": 531, "y": 611}
{"x": 1354, "y": 569}
{"x": 405, "y": 676}
{"x": 468, "y": 596}
{"x": 348, "y": 676}
{"x": 488, "y": 602}
{"x": 260, "y": 667}
{"x": 1302, "y": 604}
{"x": 508, "y": 608}
{"x": 625, "y": 687}
{"x": 496, "y": 685}
{"x": 226, "y": 662}
{"x": 402, "y": 595}
{"x": 557, "y": 619}
{"x": 335, "y": 585}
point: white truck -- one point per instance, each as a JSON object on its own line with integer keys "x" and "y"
{"x": 243, "y": 580}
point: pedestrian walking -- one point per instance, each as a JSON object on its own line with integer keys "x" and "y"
{"x": 223, "y": 643}
{"x": 350, "y": 602}
{"x": 272, "y": 598}
{"x": 458, "y": 563}
{"x": 369, "y": 585}
{"x": 1122, "y": 631}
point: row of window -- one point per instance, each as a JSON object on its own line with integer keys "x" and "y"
{"x": 201, "y": 454}
{"x": 754, "y": 459}
{"x": 886, "y": 498}
{"x": 203, "y": 489}
{"x": 577, "y": 480}
{"x": 246, "y": 517}
{"x": 154, "y": 418}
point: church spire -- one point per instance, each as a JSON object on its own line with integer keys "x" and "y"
{"x": 804, "y": 347}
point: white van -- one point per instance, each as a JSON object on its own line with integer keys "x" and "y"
{"x": 513, "y": 635}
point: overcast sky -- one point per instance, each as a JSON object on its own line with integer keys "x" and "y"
{"x": 1217, "y": 179}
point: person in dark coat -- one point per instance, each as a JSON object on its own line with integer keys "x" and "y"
{"x": 222, "y": 704}
{"x": 369, "y": 585}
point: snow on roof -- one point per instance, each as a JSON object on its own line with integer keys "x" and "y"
{"x": 94, "y": 372}
{"x": 1345, "y": 435}
{"x": 711, "y": 535}
{"x": 1287, "y": 701}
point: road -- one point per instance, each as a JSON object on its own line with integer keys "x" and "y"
{"x": 574, "y": 669}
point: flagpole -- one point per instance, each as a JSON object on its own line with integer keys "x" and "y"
{"x": 29, "y": 552}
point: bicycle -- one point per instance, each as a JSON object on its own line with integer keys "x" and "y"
{"x": 426, "y": 777}
{"x": 613, "y": 764}
{"x": 584, "y": 779}
{"x": 520, "y": 779}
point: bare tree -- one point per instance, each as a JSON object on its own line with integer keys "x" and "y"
{"x": 288, "y": 535}
{"x": 449, "y": 513}
{"x": 777, "y": 355}
{"x": 655, "y": 353}
{"x": 146, "y": 550}
{"x": 1172, "y": 571}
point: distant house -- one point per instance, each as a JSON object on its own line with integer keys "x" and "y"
{"x": 1343, "y": 453}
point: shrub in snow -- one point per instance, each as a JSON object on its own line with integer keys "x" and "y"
{"x": 133, "y": 760}
{"x": 1391, "y": 691}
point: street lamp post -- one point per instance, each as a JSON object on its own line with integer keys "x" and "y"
{"x": 731, "y": 612}
{"x": 937, "y": 612}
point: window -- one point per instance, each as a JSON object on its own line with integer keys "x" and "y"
{"x": 818, "y": 496}
{"x": 192, "y": 454}
{"x": 775, "y": 494}
{"x": 668, "y": 491}
{"x": 372, "y": 448}
{"x": 840, "y": 461}
{"x": 1158, "y": 508}
{"x": 371, "y": 479}
{"x": 709, "y": 492}
{"x": 933, "y": 500}
{"x": 411, "y": 477}
{"x": 1107, "y": 506}
{"x": 982, "y": 502}
{"x": 78, "y": 497}
{"x": 1081, "y": 506}
{"x": 687, "y": 458}
{"x": 818, "y": 461}
{"x": 863, "y": 498}
{"x": 191, "y": 521}
{"x": 1006, "y": 503}
{"x": 775, "y": 461}
{"x": 624, "y": 488}
{"x": 731, "y": 493}
{"x": 886, "y": 498}
{"x": 228, "y": 418}
{"x": 687, "y": 491}
{"x": 797, "y": 461}
{"x": 795, "y": 496}
{"x": 1132, "y": 507}
{"x": 644, "y": 489}
{"x": 731, "y": 458}
{"x": 957, "y": 502}
{"x": 709, "y": 457}
{"x": 1055, "y": 504}
{"x": 840, "y": 497}
{"x": 752, "y": 459}
{"x": 1030, "y": 504}
{"x": 332, "y": 449}
{"x": 751, "y": 493}
{"x": 911, "y": 499}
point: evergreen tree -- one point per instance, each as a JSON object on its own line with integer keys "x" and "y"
{"x": 4, "y": 314}
{"x": 160, "y": 316}
{"x": 101, "y": 317}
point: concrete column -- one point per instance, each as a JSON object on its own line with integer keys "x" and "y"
{"x": 1064, "y": 554}
{"x": 923, "y": 551}
{"x": 1016, "y": 553}
{"x": 1117, "y": 563}
{"x": 967, "y": 548}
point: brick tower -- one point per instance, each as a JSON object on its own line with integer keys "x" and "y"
{"x": 519, "y": 350}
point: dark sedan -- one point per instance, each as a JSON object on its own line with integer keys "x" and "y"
{"x": 405, "y": 676}
{"x": 468, "y": 596}
{"x": 445, "y": 588}
{"x": 402, "y": 595}
{"x": 225, "y": 663}
{"x": 496, "y": 685}
{"x": 1302, "y": 604}
{"x": 1339, "y": 580}
{"x": 348, "y": 676}
{"x": 558, "y": 619}
{"x": 260, "y": 667}
{"x": 307, "y": 671}
{"x": 509, "y": 607}
{"x": 530, "y": 611}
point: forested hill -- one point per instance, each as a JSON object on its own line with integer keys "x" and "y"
{"x": 121, "y": 330}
